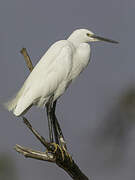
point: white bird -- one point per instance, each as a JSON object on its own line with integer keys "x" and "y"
{"x": 58, "y": 67}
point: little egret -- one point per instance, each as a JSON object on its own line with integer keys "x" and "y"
{"x": 52, "y": 75}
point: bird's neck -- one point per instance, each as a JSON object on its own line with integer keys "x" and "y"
{"x": 76, "y": 41}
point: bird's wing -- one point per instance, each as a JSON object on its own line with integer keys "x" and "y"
{"x": 45, "y": 79}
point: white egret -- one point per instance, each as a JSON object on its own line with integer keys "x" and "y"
{"x": 58, "y": 67}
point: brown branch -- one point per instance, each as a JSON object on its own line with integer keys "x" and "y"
{"x": 27, "y": 59}
{"x": 54, "y": 152}
{"x": 29, "y": 153}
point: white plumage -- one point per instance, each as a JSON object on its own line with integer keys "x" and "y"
{"x": 62, "y": 63}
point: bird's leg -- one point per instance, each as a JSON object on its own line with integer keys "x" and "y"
{"x": 51, "y": 124}
{"x": 57, "y": 129}
{"x": 59, "y": 144}
{"x": 56, "y": 133}
{"x": 49, "y": 116}
{"x": 59, "y": 135}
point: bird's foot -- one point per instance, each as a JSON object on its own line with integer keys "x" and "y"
{"x": 62, "y": 151}
{"x": 64, "y": 148}
{"x": 58, "y": 148}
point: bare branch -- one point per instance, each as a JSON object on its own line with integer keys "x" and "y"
{"x": 37, "y": 135}
{"x": 53, "y": 154}
{"x": 40, "y": 138}
{"x": 71, "y": 168}
{"x": 27, "y": 59}
{"x": 29, "y": 153}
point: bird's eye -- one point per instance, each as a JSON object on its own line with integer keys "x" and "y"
{"x": 88, "y": 34}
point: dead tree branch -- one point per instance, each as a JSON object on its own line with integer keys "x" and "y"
{"x": 29, "y": 153}
{"x": 53, "y": 152}
{"x": 27, "y": 59}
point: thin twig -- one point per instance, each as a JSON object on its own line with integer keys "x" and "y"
{"x": 29, "y": 153}
{"x": 40, "y": 138}
{"x": 27, "y": 59}
{"x": 37, "y": 135}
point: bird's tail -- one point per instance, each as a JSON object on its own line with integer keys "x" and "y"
{"x": 12, "y": 103}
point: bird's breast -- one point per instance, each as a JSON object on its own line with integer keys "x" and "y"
{"x": 83, "y": 53}
{"x": 80, "y": 60}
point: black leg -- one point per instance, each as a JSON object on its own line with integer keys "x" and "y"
{"x": 49, "y": 116}
{"x": 57, "y": 130}
{"x": 53, "y": 124}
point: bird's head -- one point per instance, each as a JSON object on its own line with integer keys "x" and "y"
{"x": 84, "y": 35}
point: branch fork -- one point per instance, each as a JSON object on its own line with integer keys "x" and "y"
{"x": 53, "y": 153}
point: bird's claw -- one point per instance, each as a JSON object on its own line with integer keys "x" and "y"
{"x": 62, "y": 150}
{"x": 58, "y": 147}
{"x": 64, "y": 147}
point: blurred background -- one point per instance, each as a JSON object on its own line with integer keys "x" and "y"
{"x": 97, "y": 113}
